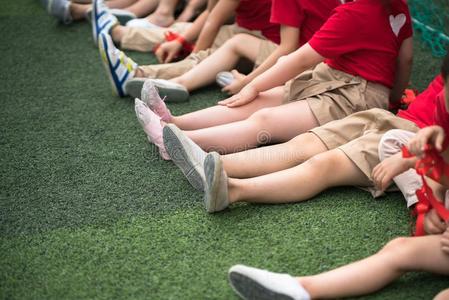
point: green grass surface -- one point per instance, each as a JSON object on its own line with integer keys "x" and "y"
{"x": 88, "y": 210}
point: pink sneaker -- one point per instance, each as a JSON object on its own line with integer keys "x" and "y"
{"x": 150, "y": 96}
{"x": 151, "y": 124}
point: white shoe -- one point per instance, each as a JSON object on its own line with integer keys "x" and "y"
{"x": 172, "y": 92}
{"x": 252, "y": 283}
{"x": 187, "y": 155}
{"x": 102, "y": 19}
{"x": 141, "y": 23}
{"x": 224, "y": 79}
{"x": 216, "y": 196}
{"x": 119, "y": 67}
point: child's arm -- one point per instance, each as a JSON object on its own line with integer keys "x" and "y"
{"x": 289, "y": 43}
{"x": 286, "y": 68}
{"x": 403, "y": 71}
{"x": 169, "y": 50}
{"x": 221, "y": 12}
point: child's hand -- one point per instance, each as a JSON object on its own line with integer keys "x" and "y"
{"x": 433, "y": 135}
{"x": 384, "y": 172}
{"x": 433, "y": 224}
{"x": 246, "y": 95}
{"x": 237, "y": 84}
{"x": 445, "y": 241}
{"x": 168, "y": 51}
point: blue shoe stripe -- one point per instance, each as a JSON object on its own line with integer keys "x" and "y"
{"x": 116, "y": 65}
{"x": 117, "y": 82}
{"x": 104, "y": 26}
{"x": 122, "y": 81}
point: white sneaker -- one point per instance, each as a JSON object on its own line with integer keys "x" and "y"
{"x": 252, "y": 283}
{"x": 172, "y": 92}
{"x": 102, "y": 19}
{"x": 141, "y": 23}
{"x": 187, "y": 155}
{"x": 224, "y": 79}
{"x": 216, "y": 188}
{"x": 119, "y": 67}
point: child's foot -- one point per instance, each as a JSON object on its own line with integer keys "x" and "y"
{"x": 150, "y": 96}
{"x": 102, "y": 19}
{"x": 252, "y": 283}
{"x": 142, "y": 23}
{"x": 224, "y": 79}
{"x": 123, "y": 16}
{"x": 216, "y": 189}
{"x": 152, "y": 126}
{"x": 119, "y": 67}
{"x": 170, "y": 91}
{"x": 187, "y": 155}
{"x": 59, "y": 9}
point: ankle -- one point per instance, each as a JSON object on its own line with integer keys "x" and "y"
{"x": 117, "y": 33}
{"x": 139, "y": 73}
{"x": 233, "y": 190}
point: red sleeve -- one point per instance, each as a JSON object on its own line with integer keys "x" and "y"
{"x": 287, "y": 12}
{"x": 442, "y": 117}
{"x": 407, "y": 30}
{"x": 332, "y": 39}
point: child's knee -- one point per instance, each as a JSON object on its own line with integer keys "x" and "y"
{"x": 261, "y": 117}
{"x": 443, "y": 295}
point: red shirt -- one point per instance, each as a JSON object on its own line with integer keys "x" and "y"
{"x": 442, "y": 117}
{"x": 363, "y": 38}
{"x": 255, "y": 15}
{"x": 307, "y": 15}
{"x": 422, "y": 110}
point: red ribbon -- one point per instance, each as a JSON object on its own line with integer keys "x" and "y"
{"x": 431, "y": 165}
{"x": 173, "y": 36}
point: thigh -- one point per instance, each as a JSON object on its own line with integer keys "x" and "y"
{"x": 247, "y": 46}
{"x": 285, "y": 122}
{"x": 220, "y": 115}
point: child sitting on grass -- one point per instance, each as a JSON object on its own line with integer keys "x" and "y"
{"x": 358, "y": 74}
{"x": 408, "y": 254}
{"x": 252, "y": 17}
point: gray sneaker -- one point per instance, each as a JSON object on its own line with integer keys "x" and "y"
{"x": 216, "y": 189}
{"x": 187, "y": 155}
{"x": 172, "y": 91}
{"x": 59, "y": 9}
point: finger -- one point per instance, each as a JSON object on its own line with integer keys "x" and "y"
{"x": 236, "y": 74}
{"x": 430, "y": 228}
{"x": 439, "y": 140}
{"x": 237, "y": 103}
{"x": 227, "y": 101}
{"x": 445, "y": 250}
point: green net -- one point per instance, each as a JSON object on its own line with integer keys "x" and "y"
{"x": 431, "y": 21}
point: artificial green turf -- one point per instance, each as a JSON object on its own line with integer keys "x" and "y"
{"x": 88, "y": 210}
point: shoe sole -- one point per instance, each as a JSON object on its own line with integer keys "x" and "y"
{"x": 249, "y": 289}
{"x": 183, "y": 157}
{"x": 172, "y": 95}
{"x": 212, "y": 172}
{"x": 107, "y": 66}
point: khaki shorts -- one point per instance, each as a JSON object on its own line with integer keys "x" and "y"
{"x": 144, "y": 39}
{"x": 168, "y": 71}
{"x": 333, "y": 95}
{"x": 359, "y": 135}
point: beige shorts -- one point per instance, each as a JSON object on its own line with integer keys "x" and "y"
{"x": 168, "y": 71}
{"x": 144, "y": 39}
{"x": 333, "y": 95}
{"x": 359, "y": 135}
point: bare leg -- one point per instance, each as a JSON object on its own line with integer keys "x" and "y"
{"x": 270, "y": 159}
{"x": 299, "y": 183}
{"x": 78, "y": 11}
{"x": 224, "y": 58}
{"x": 266, "y": 126}
{"x": 142, "y": 8}
{"x": 192, "y": 7}
{"x": 443, "y": 295}
{"x": 120, "y": 3}
{"x": 219, "y": 115}
{"x": 373, "y": 273}
{"x": 117, "y": 33}
{"x": 164, "y": 14}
